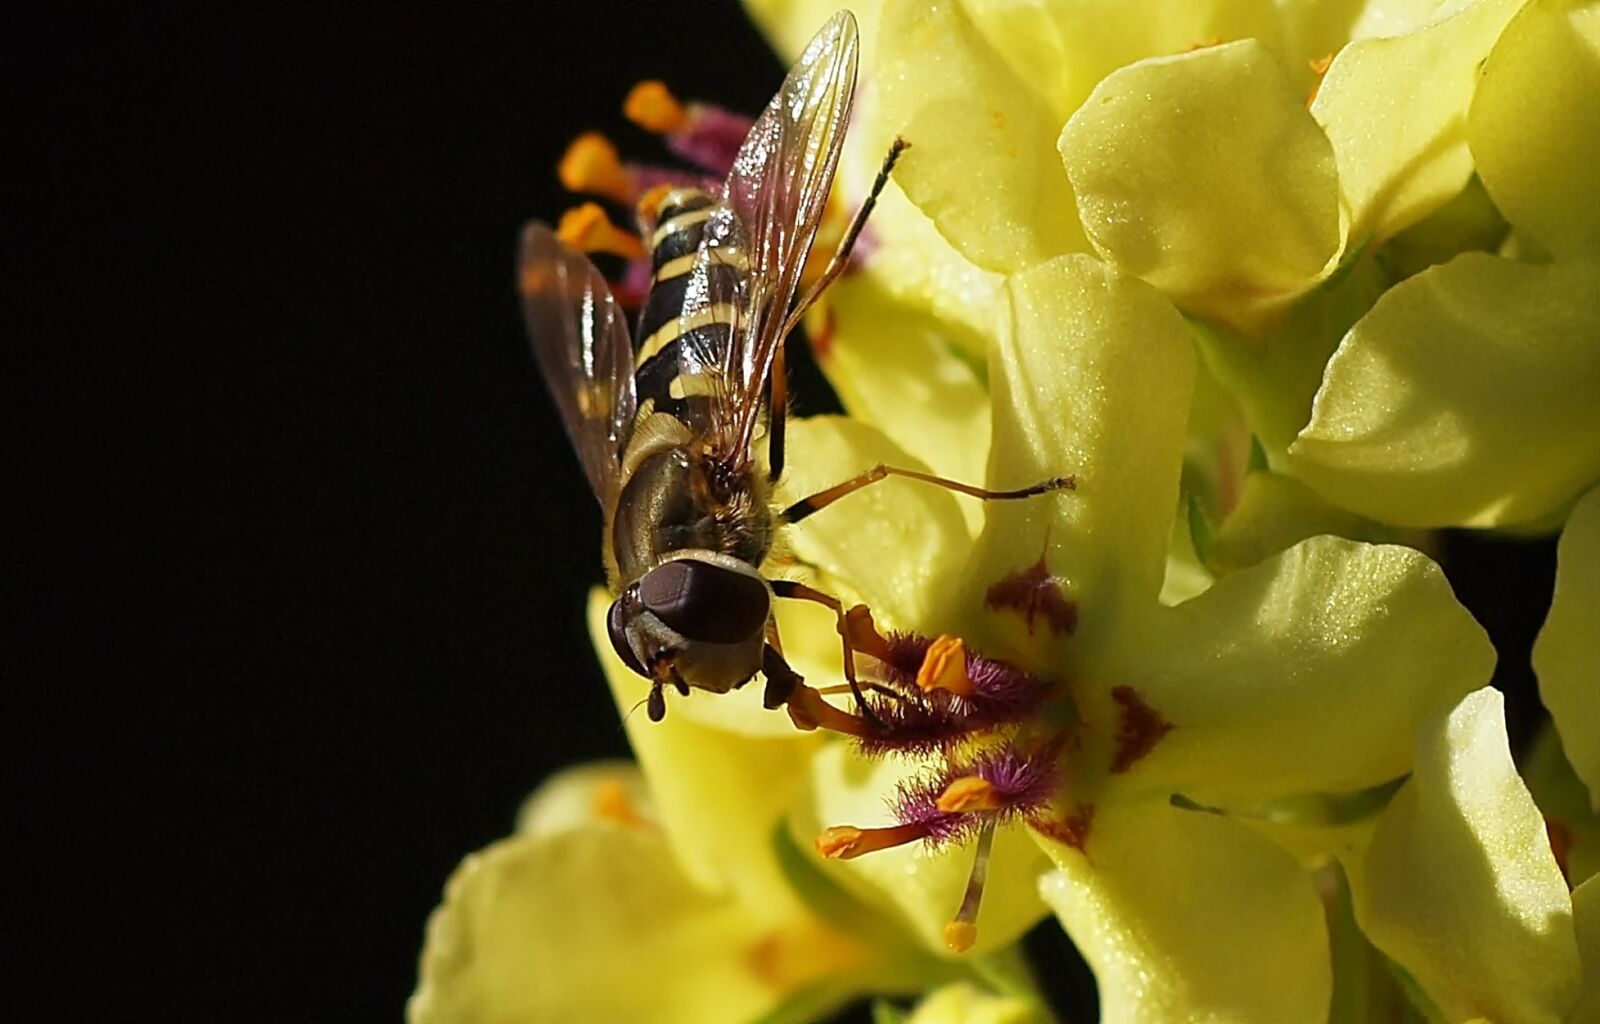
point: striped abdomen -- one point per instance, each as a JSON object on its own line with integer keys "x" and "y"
{"x": 690, "y": 310}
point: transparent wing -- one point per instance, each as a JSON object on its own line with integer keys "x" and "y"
{"x": 580, "y": 339}
{"x": 774, "y": 200}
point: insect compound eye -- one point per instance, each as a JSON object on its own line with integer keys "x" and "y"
{"x": 706, "y": 602}
{"x": 616, "y": 627}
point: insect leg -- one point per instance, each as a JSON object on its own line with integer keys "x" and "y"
{"x": 777, "y": 410}
{"x": 841, "y": 255}
{"x": 822, "y": 499}
{"x": 849, "y": 623}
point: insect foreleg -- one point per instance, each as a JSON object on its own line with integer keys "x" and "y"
{"x": 841, "y": 255}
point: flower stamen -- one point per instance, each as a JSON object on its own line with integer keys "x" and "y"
{"x": 588, "y": 229}
{"x": 962, "y": 932}
{"x": 844, "y": 842}
{"x": 944, "y": 667}
{"x": 969, "y": 793}
{"x": 651, "y": 106}
{"x": 591, "y": 165}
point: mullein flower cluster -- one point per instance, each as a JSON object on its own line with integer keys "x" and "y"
{"x": 1280, "y": 285}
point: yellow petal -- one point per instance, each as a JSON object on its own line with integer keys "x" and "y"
{"x": 1266, "y": 677}
{"x": 1274, "y": 513}
{"x": 1460, "y": 887}
{"x": 723, "y": 772}
{"x": 1564, "y": 801}
{"x": 891, "y": 544}
{"x": 1395, "y": 110}
{"x": 981, "y": 166}
{"x": 1204, "y": 174}
{"x": 1586, "y": 915}
{"x": 1187, "y": 916}
{"x": 899, "y": 369}
{"x": 1465, "y": 397}
{"x": 597, "y": 923}
{"x": 964, "y": 1003}
{"x": 1567, "y": 653}
{"x": 1534, "y": 125}
{"x": 587, "y": 794}
{"x": 1091, "y": 377}
{"x": 922, "y": 888}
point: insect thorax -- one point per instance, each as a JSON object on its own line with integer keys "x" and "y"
{"x": 672, "y": 501}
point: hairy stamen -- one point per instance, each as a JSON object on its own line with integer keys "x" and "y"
{"x": 944, "y": 667}
{"x": 651, "y": 106}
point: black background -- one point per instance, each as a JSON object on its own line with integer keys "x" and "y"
{"x": 296, "y": 615}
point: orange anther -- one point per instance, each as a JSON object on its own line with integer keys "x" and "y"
{"x": 586, "y": 227}
{"x": 611, "y": 802}
{"x": 968, "y": 793}
{"x": 648, "y": 208}
{"x": 842, "y": 842}
{"x": 651, "y": 106}
{"x": 960, "y": 935}
{"x": 807, "y": 710}
{"x": 944, "y": 667}
{"x": 591, "y": 165}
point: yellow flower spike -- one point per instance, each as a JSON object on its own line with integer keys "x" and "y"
{"x": 1566, "y": 656}
{"x": 651, "y": 106}
{"x": 1459, "y": 885}
{"x": 1535, "y": 121}
{"x": 971, "y": 119}
{"x": 591, "y": 165}
{"x": 1395, "y": 111}
{"x": 1466, "y": 397}
{"x": 1205, "y": 175}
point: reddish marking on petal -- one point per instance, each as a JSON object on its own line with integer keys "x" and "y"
{"x": 822, "y": 340}
{"x": 1142, "y": 728}
{"x": 1034, "y": 593}
{"x": 1072, "y": 830}
{"x": 1560, "y": 845}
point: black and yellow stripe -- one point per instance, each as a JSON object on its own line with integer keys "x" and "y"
{"x": 664, "y": 379}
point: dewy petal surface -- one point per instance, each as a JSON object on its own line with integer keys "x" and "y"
{"x": 1459, "y": 885}
{"x": 1204, "y": 174}
{"x": 981, "y": 164}
{"x": 598, "y": 923}
{"x": 721, "y": 781}
{"x": 1187, "y": 916}
{"x": 1467, "y": 396}
{"x": 1395, "y": 110}
{"x": 923, "y": 886}
{"x": 887, "y": 543}
{"x": 1567, "y": 654}
{"x": 1092, "y": 377}
{"x": 1535, "y": 123}
{"x": 1269, "y": 676}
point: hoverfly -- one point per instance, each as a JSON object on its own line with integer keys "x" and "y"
{"x": 665, "y": 425}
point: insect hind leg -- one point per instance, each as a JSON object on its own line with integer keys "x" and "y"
{"x": 822, "y": 499}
